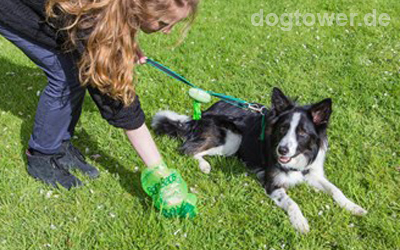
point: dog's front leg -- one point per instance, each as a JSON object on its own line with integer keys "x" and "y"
{"x": 283, "y": 200}
{"x": 204, "y": 165}
{"x": 325, "y": 185}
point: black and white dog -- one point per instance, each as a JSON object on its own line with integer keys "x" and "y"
{"x": 293, "y": 150}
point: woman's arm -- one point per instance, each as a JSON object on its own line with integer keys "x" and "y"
{"x": 145, "y": 146}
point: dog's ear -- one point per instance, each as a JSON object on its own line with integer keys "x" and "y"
{"x": 279, "y": 101}
{"x": 321, "y": 112}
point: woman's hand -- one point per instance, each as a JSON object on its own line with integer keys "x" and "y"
{"x": 141, "y": 58}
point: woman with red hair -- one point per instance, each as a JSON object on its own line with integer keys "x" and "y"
{"x": 92, "y": 44}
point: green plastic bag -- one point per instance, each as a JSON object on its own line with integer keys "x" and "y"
{"x": 169, "y": 192}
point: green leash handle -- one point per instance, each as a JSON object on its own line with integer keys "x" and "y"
{"x": 196, "y": 110}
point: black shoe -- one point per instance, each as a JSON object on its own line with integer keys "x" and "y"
{"x": 73, "y": 159}
{"x": 47, "y": 169}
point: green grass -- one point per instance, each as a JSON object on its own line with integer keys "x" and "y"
{"x": 357, "y": 66}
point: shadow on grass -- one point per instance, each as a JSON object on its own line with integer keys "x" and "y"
{"x": 19, "y": 86}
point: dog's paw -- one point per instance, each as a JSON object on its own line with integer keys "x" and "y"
{"x": 300, "y": 223}
{"x": 205, "y": 167}
{"x": 356, "y": 210}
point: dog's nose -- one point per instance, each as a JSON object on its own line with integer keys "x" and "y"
{"x": 283, "y": 150}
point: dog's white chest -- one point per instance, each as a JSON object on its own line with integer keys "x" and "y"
{"x": 288, "y": 179}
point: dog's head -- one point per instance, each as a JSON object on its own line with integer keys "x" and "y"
{"x": 298, "y": 132}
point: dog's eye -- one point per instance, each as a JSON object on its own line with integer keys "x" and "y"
{"x": 162, "y": 24}
{"x": 302, "y": 133}
{"x": 283, "y": 129}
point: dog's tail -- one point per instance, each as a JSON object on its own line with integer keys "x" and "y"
{"x": 170, "y": 123}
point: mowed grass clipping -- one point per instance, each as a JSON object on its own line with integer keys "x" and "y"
{"x": 358, "y": 67}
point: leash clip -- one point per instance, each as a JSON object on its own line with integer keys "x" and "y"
{"x": 257, "y": 108}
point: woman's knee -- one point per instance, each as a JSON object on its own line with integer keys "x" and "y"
{"x": 58, "y": 96}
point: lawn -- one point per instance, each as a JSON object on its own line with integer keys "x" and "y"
{"x": 357, "y": 66}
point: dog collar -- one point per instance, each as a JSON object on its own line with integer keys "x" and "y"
{"x": 287, "y": 170}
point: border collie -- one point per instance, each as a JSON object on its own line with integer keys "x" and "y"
{"x": 293, "y": 150}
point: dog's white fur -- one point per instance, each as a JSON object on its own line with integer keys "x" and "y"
{"x": 169, "y": 115}
{"x": 289, "y": 140}
{"x": 286, "y": 203}
{"x": 231, "y": 146}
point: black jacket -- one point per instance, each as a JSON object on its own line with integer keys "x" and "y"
{"x": 27, "y": 18}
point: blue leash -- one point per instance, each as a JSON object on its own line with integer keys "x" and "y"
{"x": 169, "y": 72}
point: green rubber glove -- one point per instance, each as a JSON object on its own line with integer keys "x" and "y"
{"x": 169, "y": 192}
